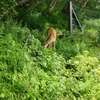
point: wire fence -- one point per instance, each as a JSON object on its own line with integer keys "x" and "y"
{"x": 82, "y": 14}
{"x": 86, "y": 13}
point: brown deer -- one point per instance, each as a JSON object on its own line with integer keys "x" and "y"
{"x": 51, "y": 33}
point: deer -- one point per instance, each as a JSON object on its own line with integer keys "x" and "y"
{"x": 51, "y": 38}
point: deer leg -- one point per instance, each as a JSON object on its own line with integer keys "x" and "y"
{"x": 53, "y": 44}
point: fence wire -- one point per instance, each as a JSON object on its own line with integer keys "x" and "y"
{"x": 86, "y": 13}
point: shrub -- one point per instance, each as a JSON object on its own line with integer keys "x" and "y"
{"x": 27, "y": 70}
{"x": 83, "y": 76}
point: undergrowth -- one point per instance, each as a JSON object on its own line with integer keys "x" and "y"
{"x": 30, "y": 72}
{"x": 27, "y": 71}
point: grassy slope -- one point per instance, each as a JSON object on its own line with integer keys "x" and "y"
{"x": 29, "y": 72}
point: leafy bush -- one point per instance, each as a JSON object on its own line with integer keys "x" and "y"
{"x": 27, "y": 70}
{"x": 7, "y": 9}
{"x": 83, "y": 76}
{"x": 92, "y": 24}
{"x": 71, "y": 44}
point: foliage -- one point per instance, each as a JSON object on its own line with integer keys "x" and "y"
{"x": 27, "y": 71}
{"x": 7, "y": 9}
{"x": 83, "y": 76}
{"x": 71, "y": 71}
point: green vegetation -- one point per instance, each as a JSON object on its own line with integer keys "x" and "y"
{"x": 71, "y": 71}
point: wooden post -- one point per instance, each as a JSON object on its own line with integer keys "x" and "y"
{"x": 70, "y": 17}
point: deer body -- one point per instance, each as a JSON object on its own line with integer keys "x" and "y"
{"x": 51, "y": 33}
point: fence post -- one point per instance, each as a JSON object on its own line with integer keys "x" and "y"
{"x": 76, "y": 20}
{"x": 70, "y": 28}
{"x": 71, "y": 15}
